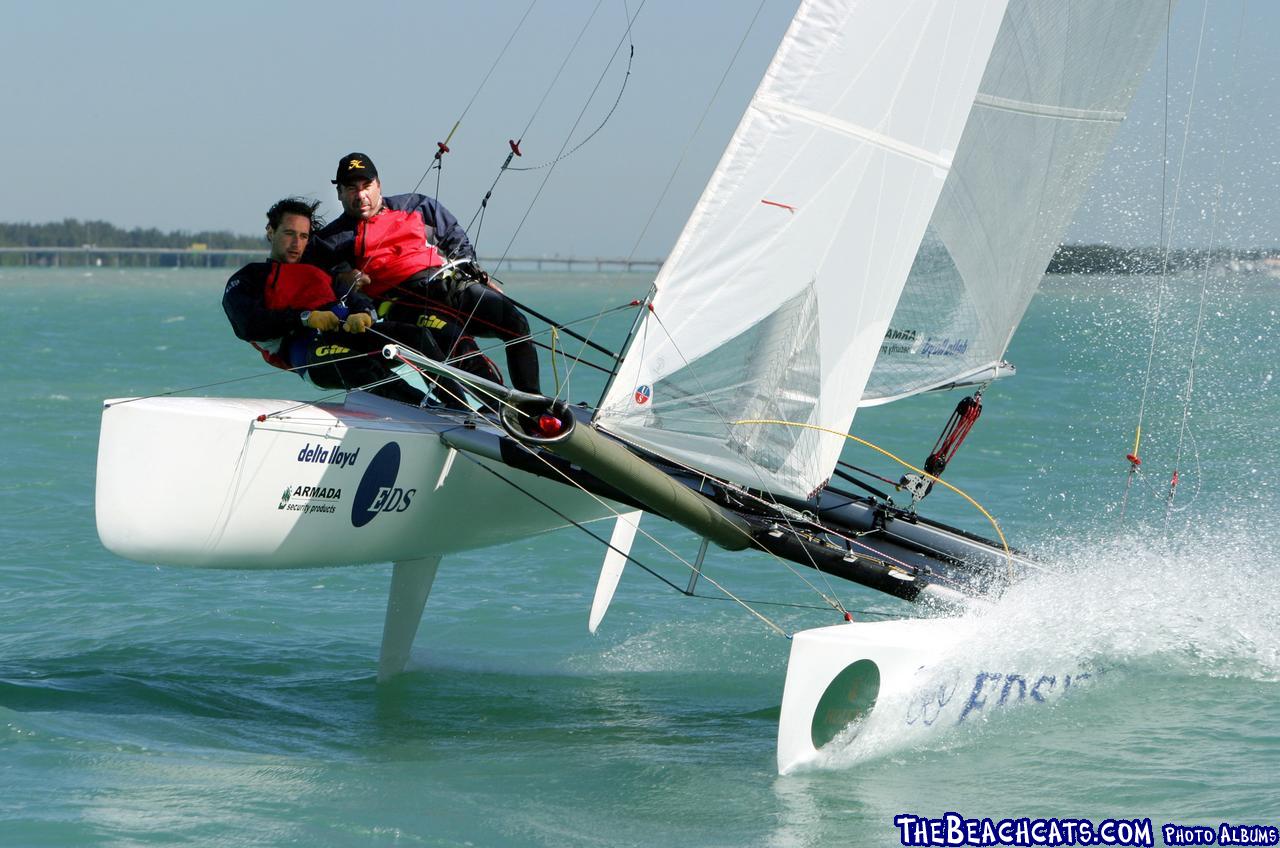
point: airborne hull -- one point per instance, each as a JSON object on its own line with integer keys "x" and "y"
{"x": 239, "y": 483}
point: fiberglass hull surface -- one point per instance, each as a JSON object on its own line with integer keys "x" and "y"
{"x": 236, "y": 483}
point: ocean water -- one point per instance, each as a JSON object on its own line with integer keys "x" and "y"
{"x": 144, "y": 705}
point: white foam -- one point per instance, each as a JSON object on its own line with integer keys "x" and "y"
{"x": 1110, "y": 612}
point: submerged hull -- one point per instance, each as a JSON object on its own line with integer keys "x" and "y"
{"x": 839, "y": 676}
{"x": 855, "y": 690}
{"x": 235, "y": 483}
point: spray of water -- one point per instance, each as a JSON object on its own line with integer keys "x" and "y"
{"x": 1113, "y": 613}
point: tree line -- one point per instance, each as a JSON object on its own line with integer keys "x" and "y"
{"x": 1109, "y": 259}
{"x": 71, "y": 232}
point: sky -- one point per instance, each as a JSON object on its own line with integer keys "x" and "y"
{"x": 186, "y": 116}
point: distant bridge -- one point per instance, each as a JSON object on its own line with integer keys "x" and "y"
{"x": 168, "y": 257}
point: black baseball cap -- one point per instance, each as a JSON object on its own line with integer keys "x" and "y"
{"x": 355, "y": 166}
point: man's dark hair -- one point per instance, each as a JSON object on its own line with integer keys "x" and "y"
{"x": 294, "y": 206}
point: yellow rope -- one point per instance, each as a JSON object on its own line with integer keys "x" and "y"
{"x": 1008, "y": 553}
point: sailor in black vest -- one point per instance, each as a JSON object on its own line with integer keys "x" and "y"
{"x": 292, "y": 314}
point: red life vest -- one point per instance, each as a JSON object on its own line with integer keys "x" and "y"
{"x": 392, "y": 247}
{"x": 293, "y": 287}
{"x": 297, "y": 287}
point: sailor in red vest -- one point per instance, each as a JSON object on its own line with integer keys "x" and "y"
{"x": 391, "y": 249}
{"x": 292, "y": 315}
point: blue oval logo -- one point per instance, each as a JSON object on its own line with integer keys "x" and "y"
{"x": 378, "y": 492}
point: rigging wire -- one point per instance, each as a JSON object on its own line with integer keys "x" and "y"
{"x": 626, "y": 38}
{"x": 703, "y": 575}
{"x": 725, "y": 423}
{"x": 1167, "y": 237}
{"x": 515, "y": 150}
{"x": 759, "y": 603}
{"x": 1007, "y": 552}
{"x": 423, "y": 301}
{"x": 809, "y": 520}
{"x": 513, "y": 484}
{"x": 653, "y": 572}
{"x": 442, "y": 147}
{"x": 640, "y": 325}
{"x": 1204, "y": 287}
{"x": 565, "y": 327}
{"x": 515, "y": 143}
{"x": 689, "y": 142}
{"x": 778, "y": 509}
{"x": 621, "y": 91}
{"x": 617, "y": 360}
{"x": 236, "y": 380}
{"x": 1135, "y": 461}
{"x": 330, "y": 396}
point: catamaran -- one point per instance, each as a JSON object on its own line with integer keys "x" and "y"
{"x": 875, "y": 229}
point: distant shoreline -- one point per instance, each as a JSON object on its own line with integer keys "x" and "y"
{"x": 201, "y": 257}
{"x": 73, "y": 243}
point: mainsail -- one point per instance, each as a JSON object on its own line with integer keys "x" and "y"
{"x": 1057, "y": 86}
{"x": 775, "y": 299}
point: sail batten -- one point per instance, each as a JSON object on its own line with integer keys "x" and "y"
{"x": 1055, "y": 90}
{"x": 774, "y": 302}
{"x": 818, "y": 119}
{"x": 1048, "y": 110}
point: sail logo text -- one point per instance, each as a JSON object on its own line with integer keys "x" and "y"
{"x": 943, "y": 347}
{"x": 988, "y": 690}
{"x": 309, "y": 499}
{"x": 328, "y": 456}
{"x": 910, "y": 342}
{"x": 327, "y": 493}
{"x": 642, "y": 395}
{"x": 378, "y": 493}
{"x": 899, "y": 341}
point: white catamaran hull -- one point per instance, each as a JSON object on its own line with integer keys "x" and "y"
{"x": 852, "y": 688}
{"x": 839, "y": 675}
{"x": 204, "y": 482}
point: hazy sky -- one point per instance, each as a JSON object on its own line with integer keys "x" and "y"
{"x": 198, "y": 116}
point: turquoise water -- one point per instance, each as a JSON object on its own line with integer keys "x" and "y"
{"x": 156, "y": 706}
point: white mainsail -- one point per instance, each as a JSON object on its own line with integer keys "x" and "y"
{"x": 774, "y": 301}
{"x": 1057, "y": 86}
